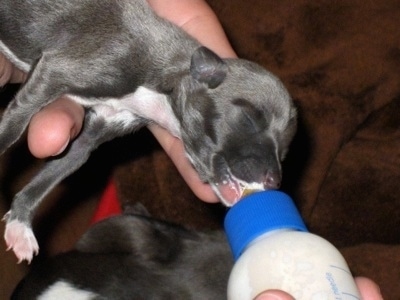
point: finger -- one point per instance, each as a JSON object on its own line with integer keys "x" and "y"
{"x": 5, "y": 70}
{"x": 17, "y": 76}
{"x": 51, "y": 129}
{"x": 175, "y": 150}
{"x": 369, "y": 290}
{"x": 9, "y": 73}
{"x": 274, "y": 295}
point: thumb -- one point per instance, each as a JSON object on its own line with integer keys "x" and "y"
{"x": 274, "y": 295}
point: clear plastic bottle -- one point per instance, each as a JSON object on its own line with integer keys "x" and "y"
{"x": 274, "y": 250}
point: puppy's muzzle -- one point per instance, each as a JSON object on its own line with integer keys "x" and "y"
{"x": 232, "y": 189}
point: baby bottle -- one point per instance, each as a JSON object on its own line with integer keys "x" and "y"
{"x": 273, "y": 249}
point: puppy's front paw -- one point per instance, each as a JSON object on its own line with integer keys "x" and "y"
{"x": 20, "y": 238}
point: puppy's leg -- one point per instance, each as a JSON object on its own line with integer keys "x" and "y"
{"x": 40, "y": 89}
{"x": 19, "y": 235}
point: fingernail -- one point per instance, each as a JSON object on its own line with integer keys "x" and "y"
{"x": 63, "y": 148}
{"x": 268, "y": 296}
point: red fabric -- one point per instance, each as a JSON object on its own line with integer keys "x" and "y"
{"x": 109, "y": 204}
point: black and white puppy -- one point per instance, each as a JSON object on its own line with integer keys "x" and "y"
{"x": 134, "y": 257}
{"x": 129, "y": 68}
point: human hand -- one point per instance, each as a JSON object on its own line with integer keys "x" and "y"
{"x": 369, "y": 290}
{"x": 51, "y": 130}
{"x": 53, "y": 127}
{"x": 8, "y": 73}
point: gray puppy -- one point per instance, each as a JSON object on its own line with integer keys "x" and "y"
{"x": 134, "y": 257}
{"x": 130, "y": 68}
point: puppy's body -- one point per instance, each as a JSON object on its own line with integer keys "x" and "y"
{"x": 134, "y": 257}
{"x": 128, "y": 67}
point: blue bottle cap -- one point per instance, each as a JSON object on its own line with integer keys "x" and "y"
{"x": 257, "y": 214}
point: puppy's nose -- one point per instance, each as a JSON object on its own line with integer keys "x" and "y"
{"x": 272, "y": 181}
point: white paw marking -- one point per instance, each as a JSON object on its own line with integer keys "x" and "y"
{"x": 20, "y": 238}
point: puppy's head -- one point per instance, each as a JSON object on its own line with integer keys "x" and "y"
{"x": 237, "y": 123}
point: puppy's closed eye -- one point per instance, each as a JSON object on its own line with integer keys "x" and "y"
{"x": 251, "y": 119}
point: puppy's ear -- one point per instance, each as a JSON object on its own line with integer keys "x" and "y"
{"x": 207, "y": 67}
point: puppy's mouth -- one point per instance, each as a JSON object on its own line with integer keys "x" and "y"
{"x": 231, "y": 189}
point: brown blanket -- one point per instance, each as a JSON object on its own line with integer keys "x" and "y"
{"x": 340, "y": 61}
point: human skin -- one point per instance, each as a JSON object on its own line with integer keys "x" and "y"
{"x": 51, "y": 130}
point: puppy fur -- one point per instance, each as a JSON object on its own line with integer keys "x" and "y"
{"x": 134, "y": 257}
{"x": 129, "y": 68}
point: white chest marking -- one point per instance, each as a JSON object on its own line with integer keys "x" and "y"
{"x": 144, "y": 103}
{"x": 62, "y": 290}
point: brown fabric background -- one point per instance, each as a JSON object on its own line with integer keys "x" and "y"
{"x": 340, "y": 61}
